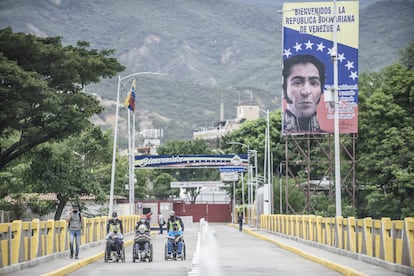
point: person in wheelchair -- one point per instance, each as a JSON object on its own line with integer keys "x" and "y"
{"x": 114, "y": 242}
{"x": 142, "y": 240}
{"x": 175, "y": 238}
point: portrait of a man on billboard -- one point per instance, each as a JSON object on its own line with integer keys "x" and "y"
{"x": 303, "y": 82}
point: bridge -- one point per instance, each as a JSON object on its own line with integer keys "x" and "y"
{"x": 277, "y": 244}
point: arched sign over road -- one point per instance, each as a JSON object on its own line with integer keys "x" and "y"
{"x": 190, "y": 161}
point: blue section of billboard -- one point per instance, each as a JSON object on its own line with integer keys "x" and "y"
{"x": 304, "y": 44}
{"x": 190, "y": 161}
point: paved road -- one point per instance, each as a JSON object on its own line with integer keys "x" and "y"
{"x": 234, "y": 254}
{"x": 159, "y": 266}
{"x": 241, "y": 254}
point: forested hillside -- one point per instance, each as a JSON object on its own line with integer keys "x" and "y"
{"x": 206, "y": 49}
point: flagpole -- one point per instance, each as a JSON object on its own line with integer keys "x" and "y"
{"x": 129, "y": 161}
{"x": 111, "y": 192}
{"x": 133, "y": 164}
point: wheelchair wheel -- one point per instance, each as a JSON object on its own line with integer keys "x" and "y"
{"x": 134, "y": 253}
{"x": 183, "y": 252}
{"x": 106, "y": 254}
{"x": 151, "y": 253}
{"x": 166, "y": 252}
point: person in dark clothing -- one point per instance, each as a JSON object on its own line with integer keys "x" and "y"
{"x": 114, "y": 241}
{"x": 173, "y": 218}
{"x": 114, "y": 221}
{"x": 75, "y": 226}
{"x": 240, "y": 221}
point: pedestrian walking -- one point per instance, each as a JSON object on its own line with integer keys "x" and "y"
{"x": 240, "y": 221}
{"x": 161, "y": 222}
{"x": 75, "y": 226}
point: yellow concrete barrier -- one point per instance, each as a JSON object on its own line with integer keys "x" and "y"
{"x": 16, "y": 230}
{"x": 34, "y": 244}
{"x": 391, "y": 241}
{"x": 408, "y": 242}
{"x": 352, "y": 240}
{"x": 386, "y": 252}
{"x": 4, "y": 244}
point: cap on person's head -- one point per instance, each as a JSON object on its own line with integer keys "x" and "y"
{"x": 114, "y": 215}
{"x": 172, "y": 213}
{"x": 75, "y": 207}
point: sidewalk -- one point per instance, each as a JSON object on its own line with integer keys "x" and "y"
{"x": 60, "y": 263}
{"x": 346, "y": 262}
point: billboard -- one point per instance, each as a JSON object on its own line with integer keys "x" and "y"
{"x": 308, "y": 67}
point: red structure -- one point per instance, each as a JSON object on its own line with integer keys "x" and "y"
{"x": 211, "y": 212}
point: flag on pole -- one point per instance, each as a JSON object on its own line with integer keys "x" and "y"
{"x": 130, "y": 99}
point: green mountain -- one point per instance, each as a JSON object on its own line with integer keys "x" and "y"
{"x": 205, "y": 48}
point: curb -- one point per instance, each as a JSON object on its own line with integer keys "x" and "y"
{"x": 82, "y": 263}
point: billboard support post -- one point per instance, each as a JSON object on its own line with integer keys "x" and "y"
{"x": 336, "y": 119}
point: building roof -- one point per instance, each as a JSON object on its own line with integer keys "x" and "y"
{"x": 53, "y": 197}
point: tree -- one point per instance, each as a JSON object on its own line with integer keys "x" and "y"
{"x": 407, "y": 56}
{"x": 41, "y": 86}
{"x": 162, "y": 188}
{"x": 252, "y": 133}
{"x": 386, "y": 140}
{"x": 72, "y": 167}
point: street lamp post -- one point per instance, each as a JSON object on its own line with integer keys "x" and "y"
{"x": 248, "y": 173}
{"x": 254, "y": 154}
{"x": 269, "y": 164}
{"x": 111, "y": 192}
{"x": 234, "y": 202}
{"x": 280, "y": 187}
{"x": 242, "y": 179}
{"x": 267, "y": 203}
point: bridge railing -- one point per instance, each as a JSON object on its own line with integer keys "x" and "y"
{"x": 22, "y": 241}
{"x": 386, "y": 239}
